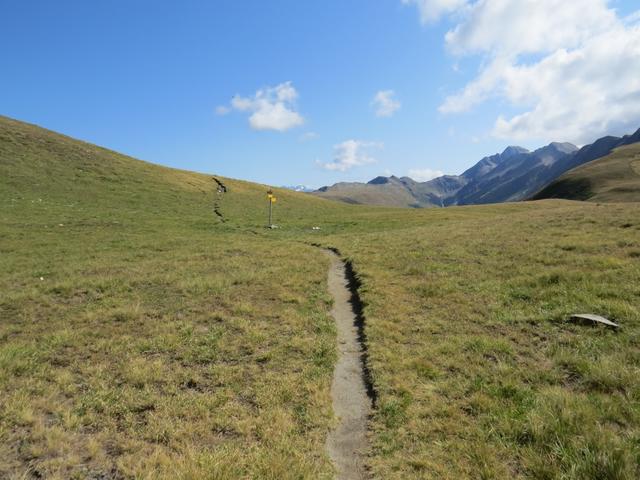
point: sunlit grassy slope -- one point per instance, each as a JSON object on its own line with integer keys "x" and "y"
{"x": 162, "y": 342}
{"x": 614, "y": 178}
{"x": 140, "y": 337}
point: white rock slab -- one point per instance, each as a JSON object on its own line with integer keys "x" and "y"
{"x": 591, "y": 319}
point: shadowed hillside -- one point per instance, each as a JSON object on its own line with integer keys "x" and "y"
{"x": 614, "y": 178}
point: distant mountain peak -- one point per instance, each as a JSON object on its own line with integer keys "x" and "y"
{"x": 379, "y": 180}
{"x": 514, "y": 174}
{"x": 513, "y": 150}
{"x": 298, "y": 188}
{"x": 564, "y": 147}
{"x": 633, "y": 138}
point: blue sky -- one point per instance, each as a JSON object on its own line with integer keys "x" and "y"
{"x": 156, "y": 79}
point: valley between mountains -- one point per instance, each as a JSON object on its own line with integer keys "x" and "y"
{"x": 143, "y": 335}
{"x": 513, "y": 175}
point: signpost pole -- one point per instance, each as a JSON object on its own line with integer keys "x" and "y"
{"x": 271, "y": 199}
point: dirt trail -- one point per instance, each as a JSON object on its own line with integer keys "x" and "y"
{"x": 220, "y": 191}
{"x": 347, "y": 444}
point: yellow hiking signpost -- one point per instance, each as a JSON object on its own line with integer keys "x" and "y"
{"x": 272, "y": 199}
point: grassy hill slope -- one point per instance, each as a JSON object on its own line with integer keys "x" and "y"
{"x": 367, "y": 194}
{"x": 51, "y": 175}
{"x": 614, "y": 178}
{"x": 143, "y": 337}
{"x": 56, "y": 175}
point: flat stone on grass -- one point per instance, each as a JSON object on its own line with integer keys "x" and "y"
{"x": 591, "y": 319}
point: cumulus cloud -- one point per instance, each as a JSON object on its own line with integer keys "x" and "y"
{"x": 351, "y": 153}
{"x": 308, "y": 136}
{"x": 580, "y": 94}
{"x": 222, "y": 110}
{"x": 514, "y": 27}
{"x": 432, "y": 10}
{"x": 385, "y": 103}
{"x": 271, "y": 108}
{"x": 569, "y": 67}
{"x": 424, "y": 174}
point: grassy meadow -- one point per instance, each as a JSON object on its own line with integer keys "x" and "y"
{"x": 478, "y": 373}
{"x": 143, "y": 337}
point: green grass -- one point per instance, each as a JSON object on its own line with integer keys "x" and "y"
{"x": 141, "y": 337}
{"x": 477, "y": 370}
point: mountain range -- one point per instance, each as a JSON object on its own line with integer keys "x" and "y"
{"x": 513, "y": 175}
{"x": 298, "y": 188}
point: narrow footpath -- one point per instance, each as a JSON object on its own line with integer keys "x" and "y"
{"x": 221, "y": 189}
{"x": 347, "y": 444}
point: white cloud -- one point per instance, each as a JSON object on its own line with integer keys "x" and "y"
{"x": 580, "y": 94}
{"x": 632, "y": 18}
{"x": 272, "y": 108}
{"x": 424, "y": 174}
{"x": 512, "y": 27}
{"x": 479, "y": 89}
{"x": 432, "y": 10}
{"x": 222, "y": 110}
{"x": 351, "y": 153}
{"x": 569, "y": 66}
{"x": 385, "y": 103}
{"x": 308, "y": 136}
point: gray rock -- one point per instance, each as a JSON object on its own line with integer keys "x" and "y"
{"x": 591, "y": 319}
